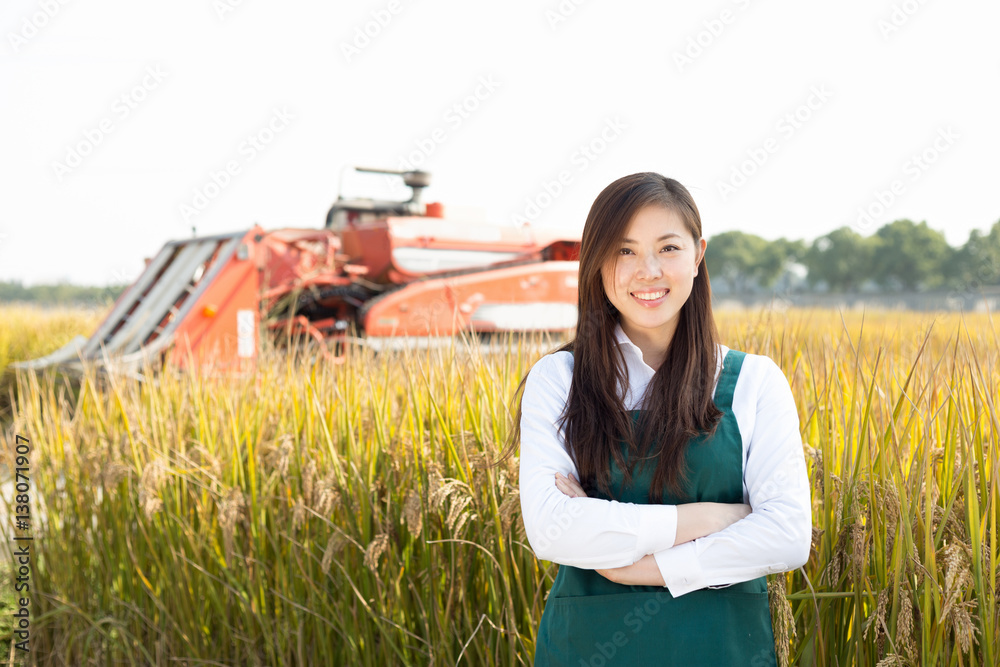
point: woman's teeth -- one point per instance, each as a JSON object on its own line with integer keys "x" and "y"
{"x": 650, "y": 296}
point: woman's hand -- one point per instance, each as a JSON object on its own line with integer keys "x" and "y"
{"x": 643, "y": 572}
{"x": 570, "y": 486}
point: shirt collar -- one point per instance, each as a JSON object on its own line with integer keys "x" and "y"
{"x": 622, "y": 339}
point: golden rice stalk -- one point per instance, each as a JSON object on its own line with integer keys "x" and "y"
{"x": 334, "y": 546}
{"x": 412, "y": 514}
{"x": 375, "y": 551}
{"x": 231, "y": 510}
{"x": 782, "y": 618}
{"x": 308, "y": 477}
{"x": 151, "y": 506}
{"x": 479, "y": 461}
{"x": 463, "y": 518}
{"x": 510, "y": 505}
{"x": 904, "y": 625}
{"x": 965, "y": 624}
{"x": 113, "y": 474}
{"x": 298, "y": 512}
{"x": 280, "y": 456}
{"x": 955, "y": 562}
{"x": 442, "y": 490}
{"x": 839, "y": 556}
{"x": 958, "y": 577}
{"x": 892, "y": 660}
{"x": 327, "y": 495}
{"x": 859, "y": 539}
{"x": 457, "y": 516}
{"x": 203, "y": 458}
{"x": 502, "y": 479}
{"x": 153, "y": 477}
{"x": 877, "y": 619}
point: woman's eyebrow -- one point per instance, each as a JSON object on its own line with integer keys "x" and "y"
{"x": 665, "y": 236}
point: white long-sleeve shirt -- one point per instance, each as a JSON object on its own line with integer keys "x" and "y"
{"x": 593, "y": 533}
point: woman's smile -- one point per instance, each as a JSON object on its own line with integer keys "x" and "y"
{"x": 651, "y": 299}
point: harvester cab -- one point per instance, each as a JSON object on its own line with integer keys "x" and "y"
{"x": 379, "y": 268}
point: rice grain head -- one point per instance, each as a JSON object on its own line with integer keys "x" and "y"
{"x": 308, "y": 477}
{"x": 334, "y": 546}
{"x": 327, "y": 495}
{"x": 877, "y": 619}
{"x": 783, "y": 620}
{"x": 956, "y": 562}
{"x": 441, "y": 489}
{"x": 298, "y": 512}
{"x": 456, "y": 512}
{"x": 375, "y": 551}
{"x": 152, "y": 480}
{"x": 280, "y": 456}
{"x": 113, "y": 474}
{"x": 231, "y": 509}
{"x": 858, "y": 551}
{"x": 412, "y": 514}
{"x": 964, "y": 623}
{"x": 510, "y": 505}
{"x": 904, "y": 625}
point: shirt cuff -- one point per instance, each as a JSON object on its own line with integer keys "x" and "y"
{"x": 680, "y": 569}
{"x": 657, "y": 529}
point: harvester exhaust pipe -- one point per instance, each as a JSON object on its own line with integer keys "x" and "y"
{"x": 415, "y": 179}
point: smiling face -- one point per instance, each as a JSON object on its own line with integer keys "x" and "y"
{"x": 649, "y": 278}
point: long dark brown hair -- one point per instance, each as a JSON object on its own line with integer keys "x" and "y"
{"x": 678, "y": 402}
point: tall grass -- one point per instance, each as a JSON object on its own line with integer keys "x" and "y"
{"x": 346, "y": 514}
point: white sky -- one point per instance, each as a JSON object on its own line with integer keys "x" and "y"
{"x": 886, "y": 93}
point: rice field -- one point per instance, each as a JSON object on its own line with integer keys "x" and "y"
{"x": 348, "y": 514}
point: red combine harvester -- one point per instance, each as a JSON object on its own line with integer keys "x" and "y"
{"x": 389, "y": 268}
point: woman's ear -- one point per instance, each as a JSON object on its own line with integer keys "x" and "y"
{"x": 702, "y": 244}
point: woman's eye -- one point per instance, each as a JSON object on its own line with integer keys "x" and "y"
{"x": 624, "y": 251}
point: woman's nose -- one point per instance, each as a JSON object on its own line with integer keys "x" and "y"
{"x": 650, "y": 268}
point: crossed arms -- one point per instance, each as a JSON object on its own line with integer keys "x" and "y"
{"x": 682, "y": 547}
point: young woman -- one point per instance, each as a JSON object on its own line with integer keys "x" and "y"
{"x": 663, "y": 471}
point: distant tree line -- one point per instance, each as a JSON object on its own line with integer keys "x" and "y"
{"x": 60, "y": 294}
{"x": 901, "y": 255}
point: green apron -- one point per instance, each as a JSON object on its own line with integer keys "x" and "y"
{"x": 590, "y": 621}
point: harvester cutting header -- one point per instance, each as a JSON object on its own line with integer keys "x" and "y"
{"x": 382, "y": 268}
